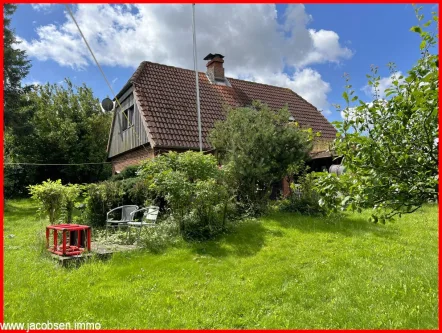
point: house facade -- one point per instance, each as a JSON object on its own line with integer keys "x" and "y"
{"x": 156, "y": 112}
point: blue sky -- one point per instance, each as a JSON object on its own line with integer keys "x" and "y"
{"x": 306, "y": 48}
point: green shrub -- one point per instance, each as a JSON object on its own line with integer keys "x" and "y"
{"x": 206, "y": 217}
{"x": 104, "y": 196}
{"x": 126, "y": 186}
{"x": 50, "y": 196}
{"x": 304, "y": 197}
{"x": 334, "y": 192}
{"x": 56, "y": 200}
{"x": 101, "y": 198}
{"x": 138, "y": 193}
{"x": 71, "y": 194}
{"x": 193, "y": 188}
{"x": 258, "y": 145}
{"x": 127, "y": 173}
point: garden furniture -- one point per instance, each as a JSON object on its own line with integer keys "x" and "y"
{"x": 148, "y": 220}
{"x": 126, "y": 212}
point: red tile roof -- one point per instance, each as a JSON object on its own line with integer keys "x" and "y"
{"x": 167, "y": 98}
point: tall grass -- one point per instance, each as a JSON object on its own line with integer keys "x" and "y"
{"x": 282, "y": 271}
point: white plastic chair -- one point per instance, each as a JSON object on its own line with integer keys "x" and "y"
{"x": 126, "y": 216}
{"x": 149, "y": 218}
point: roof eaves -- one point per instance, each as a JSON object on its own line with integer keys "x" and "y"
{"x": 132, "y": 79}
{"x": 145, "y": 125}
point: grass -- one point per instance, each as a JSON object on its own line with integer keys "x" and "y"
{"x": 282, "y": 271}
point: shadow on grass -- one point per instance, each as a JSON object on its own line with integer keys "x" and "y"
{"x": 344, "y": 225}
{"x": 244, "y": 239}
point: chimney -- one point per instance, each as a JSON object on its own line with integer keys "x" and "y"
{"x": 215, "y": 68}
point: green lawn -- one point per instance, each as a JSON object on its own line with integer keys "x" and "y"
{"x": 283, "y": 271}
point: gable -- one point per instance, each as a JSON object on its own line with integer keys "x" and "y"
{"x": 127, "y": 134}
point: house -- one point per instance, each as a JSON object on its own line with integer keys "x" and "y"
{"x": 158, "y": 111}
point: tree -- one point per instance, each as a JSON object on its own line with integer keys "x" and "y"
{"x": 67, "y": 126}
{"x": 16, "y": 66}
{"x": 259, "y": 145}
{"x": 390, "y": 145}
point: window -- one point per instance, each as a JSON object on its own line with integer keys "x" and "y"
{"x": 128, "y": 118}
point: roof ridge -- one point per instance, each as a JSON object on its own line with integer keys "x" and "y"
{"x": 143, "y": 63}
{"x": 164, "y": 65}
{"x": 262, "y": 84}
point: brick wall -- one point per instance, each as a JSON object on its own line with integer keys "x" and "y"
{"x": 215, "y": 69}
{"x": 133, "y": 157}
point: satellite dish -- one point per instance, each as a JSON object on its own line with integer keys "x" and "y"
{"x": 107, "y": 104}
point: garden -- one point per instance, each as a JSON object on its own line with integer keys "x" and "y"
{"x": 283, "y": 270}
{"x": 351, "y": 250}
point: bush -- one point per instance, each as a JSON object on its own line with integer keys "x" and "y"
{"x": 101, "y": 198}
{"x": 135, "y": 191}
{"x": 334, "y": 192}
{"x": 193, "y": 188}
{"x": 206, "y": 217}
{"x": 50, "y": 195}
{"x": 258, "y": 145}
{"x": 304, "y": 198}
{"x": 126, "y": 186}
{"x": 138, "y": 192}
{"x": 56, "y": 201}
{"x": 71, "y": 194}
{"x": 104, "y": 196}
{"x": 127, "y": 173}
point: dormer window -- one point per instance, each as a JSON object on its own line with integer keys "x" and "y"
{"x": 128, "y": 118}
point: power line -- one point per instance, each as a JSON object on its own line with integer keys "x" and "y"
{"x": 102, "y": 72}
{"x": 25, "y": 163}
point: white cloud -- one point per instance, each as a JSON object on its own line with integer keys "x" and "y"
{"x": 255, "y": 45}
{"x": 384, "y": 83}
{"x": 306, "y": 82}
{"x": 326, "y": 48}
{"x": 42, "y": 7}
{"x": 349, "y": 114}
{"x": 31, "y": 82}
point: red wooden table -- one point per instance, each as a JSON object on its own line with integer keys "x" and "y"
{"x": 71, "y": 249}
